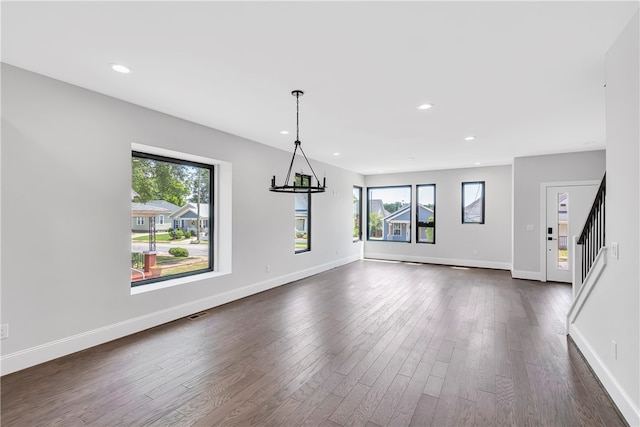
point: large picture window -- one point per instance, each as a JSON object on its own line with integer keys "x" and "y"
{"x": 389, "y": 213}
{"x": 357, "y": 214}
{"x": 473, "y": 202}
{"x": 173, "y": 197}
{"x": 426, "y": 213}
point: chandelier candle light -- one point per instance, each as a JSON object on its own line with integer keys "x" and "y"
{"x": 301, "y": 183}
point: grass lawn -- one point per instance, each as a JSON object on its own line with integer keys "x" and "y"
{"x": 183, "y": 268}
{"x": 160, "y": 237}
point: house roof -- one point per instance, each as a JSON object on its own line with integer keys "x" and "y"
{"x": 398, "y": 213}
{"x": 423, "y": 214}
{"x": 163, "y": 204}
{"x": 146, "y": 210}
{"x": 376, "y": 206}
{"x": 192, "y": 207}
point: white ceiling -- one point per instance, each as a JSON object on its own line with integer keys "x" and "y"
{"x": 525, "y": 78}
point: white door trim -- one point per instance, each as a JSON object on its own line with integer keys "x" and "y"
{"x": 543, "y": 218}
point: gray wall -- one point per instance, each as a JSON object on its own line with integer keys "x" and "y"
{"x": 69, "y": 150}
{"x": 528, "y": 174}
{"x": 612, "y": 311}
{"x": 475, "y": 245}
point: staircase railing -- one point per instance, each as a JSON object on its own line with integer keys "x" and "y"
{"x": 592, "y": 237}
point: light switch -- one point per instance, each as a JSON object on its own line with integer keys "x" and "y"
{"x": 530, "y": 227}
{"x": 615, "y": 250}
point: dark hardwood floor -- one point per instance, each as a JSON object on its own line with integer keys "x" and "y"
{"x": 368, "y": 344}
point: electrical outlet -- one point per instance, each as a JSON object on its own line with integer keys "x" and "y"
{"x": 267, "y": 268}
{"x": 614, "y": 350}
{"x": 475, "y": 252}
{"x": 4, "y": 331}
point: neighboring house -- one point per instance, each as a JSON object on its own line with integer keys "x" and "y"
{"x": 186, "y": 217}
{"x": 473, "y": 211}
{"x": 377, "y": 206}
{"x": 140, "y": 214}
{"x": 160, "y": 209}
{"x": 302, "y": 213}
{"x": 397, "y": 225}
{"x": 425, "y": 215}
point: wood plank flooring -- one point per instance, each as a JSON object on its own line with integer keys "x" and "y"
{"x": 367, "y": 344}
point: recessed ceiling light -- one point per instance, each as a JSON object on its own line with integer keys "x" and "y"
{"x": 284, "y": 132}
{"x": 477, "y": 163}
{"x": 469, "y": 138}
{"x": 121, "y": 68}
{"x": 412, "y": 158}
{"x": 336, "y": 154}
{"x": 425, "y": 106}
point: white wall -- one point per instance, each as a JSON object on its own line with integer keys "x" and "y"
{"x": 66, "y": 185}
{"x": 611, "y": 313}
{"x": 455, "y": 242}
{"x": 528, "y": 174}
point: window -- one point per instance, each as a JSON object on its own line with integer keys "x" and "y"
{"x": 181, "y": 190}
{"x": 473, "y": 202}
{"x": 426, "y": 213}
{"x": 139, "y": 220}
{"x": 357, "y": 214}
{"x": 389, "y": 213}
{"x": 302, "y": 226}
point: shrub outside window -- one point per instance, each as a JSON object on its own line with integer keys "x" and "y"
{"x": 426, "y": 213}
{"x": 171, "y": 210}
{"x": 389, "y": 213}
{"x": 473, "y": 202}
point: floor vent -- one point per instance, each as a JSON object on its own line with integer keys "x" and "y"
{"x": 196, "y": 315}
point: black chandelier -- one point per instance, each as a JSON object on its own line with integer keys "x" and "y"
{"x": 302, "y": 183}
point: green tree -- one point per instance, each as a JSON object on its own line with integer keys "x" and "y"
{"x": 429, "y": 231}
{"x": 158, "y": 180}
{"x": 170, "y": 182}
{"x": 199, "y": 185}
{"x": 392, "y": 207}
{"x": 143, "y": 179}
{"x": 375, "y": 224}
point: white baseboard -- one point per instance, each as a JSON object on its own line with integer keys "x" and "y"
{"x": 42, "y": 353}
{"x": 527, "y": 275}
{"x": 443, "y": 261}
{"x": 630, "y": 412}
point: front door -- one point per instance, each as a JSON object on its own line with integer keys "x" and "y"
{"x": 567, "y": 210}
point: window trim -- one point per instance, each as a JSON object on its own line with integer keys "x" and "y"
{"x": 410, "y": 187}
{"x": 359, "y": 238}
{"x": 419, "y": 223}
{"x": 483, "y": 187}
{"x": 212, "y": 198}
